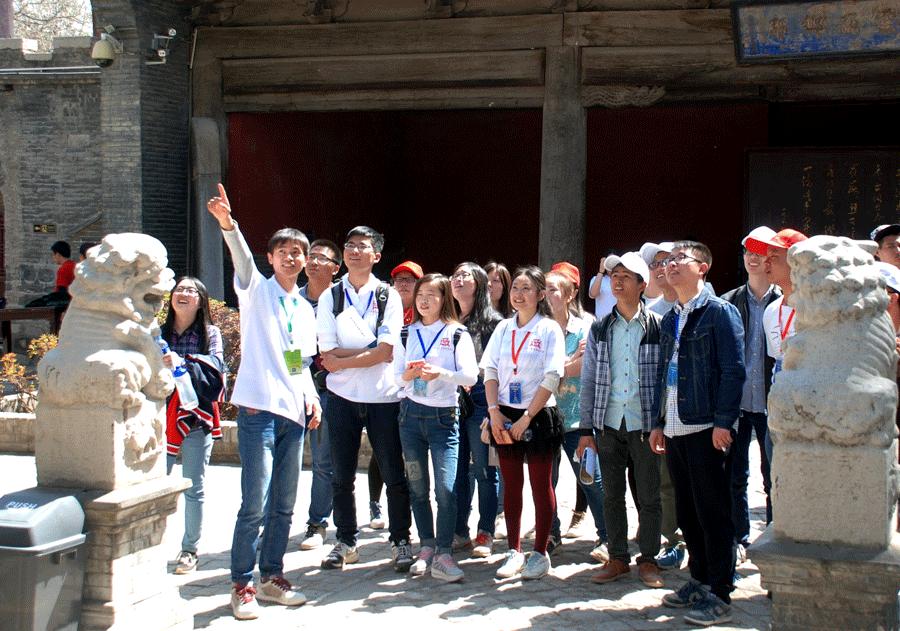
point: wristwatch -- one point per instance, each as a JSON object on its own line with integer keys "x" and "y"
{"x": 526, "y": 414}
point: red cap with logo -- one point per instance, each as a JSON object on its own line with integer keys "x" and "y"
{"x": 569, "y": 271}
{"x": 783, "y": 239}
{"x": 408, "y": 266}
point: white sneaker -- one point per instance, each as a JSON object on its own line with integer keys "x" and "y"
{"x": 500, "y": 527}
{"x": 423, "y": 561}
{"x": 278, "y": 589}
{"x": 444, "y": 568}
{"x": 314, "y": 539}
{"x": 483, "y": 545}
{"x": 243, "y": 602}
{"x": 513, "y": 563}
{"x": 740, "y": 554}
{"x": 537, "y": 566}
{"x": 600, "y": 553}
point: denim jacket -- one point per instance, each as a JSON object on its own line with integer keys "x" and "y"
{"x": 595, "y": 374}
{"x": 710, "y": 364}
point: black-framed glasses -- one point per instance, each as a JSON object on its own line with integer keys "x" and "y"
{"x": 321, "y": 259}
{"x": 359, "y": 247}
{"x": 190, "y": 291}
{"x": 461, "y": 276}
{"x": 679, "y": 258}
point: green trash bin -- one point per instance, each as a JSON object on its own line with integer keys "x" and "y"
{"x": 42, "y": 560}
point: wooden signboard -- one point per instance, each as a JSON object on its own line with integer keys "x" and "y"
{"x": 823, "y": 191}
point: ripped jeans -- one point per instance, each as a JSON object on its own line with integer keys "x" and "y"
{"x": 424, "y": 428}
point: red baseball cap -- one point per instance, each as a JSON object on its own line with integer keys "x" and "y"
{"x": 408, "y": 266}
{"x": 569, "y": 271}
{"x": 783, "y": 239}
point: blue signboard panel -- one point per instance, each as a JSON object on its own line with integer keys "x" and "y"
{"x": 773, "y": 31}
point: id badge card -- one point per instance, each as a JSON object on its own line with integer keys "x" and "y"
{"x": 420, "y": 387}
{"x": 515, "y": 392}
{"x": 672, "y": 375}
{"x": 294, "y": 361}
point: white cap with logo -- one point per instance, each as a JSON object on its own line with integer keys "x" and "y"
{"x": 632, "y": 261}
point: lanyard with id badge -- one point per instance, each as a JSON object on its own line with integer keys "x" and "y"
{"x": 672, "y": 372}
{"x": 420, "y": 386}
{"x": 293, "y": 358}
{"x": 515, "y": 386}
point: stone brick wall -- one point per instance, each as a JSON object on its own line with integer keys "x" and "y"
{"x": 50, "y": 160}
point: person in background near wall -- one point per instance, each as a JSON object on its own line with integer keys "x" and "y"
{"x": 83, "y": 249}
{"x": 437, "y": 358}
{"x": 751, "y": 300}
{"x": 192, "y": 337}
{"x": 654, "y": 254}
{"x": 65, "y": 273}
{"x": 469, "y": 285}
{"x": 562, "y": 289}
{"x": 523, "y": 363}
{"x": 323, "y": 263}
{"x": 891, "y": 277}
{"x": 499, "y": 282}
{"x": 616, "y": 414}
{"x": 600, "y": 291}
{"x": 778, "y": 319}
{"x": 403, "y": 278}
{"x": 886, "y": 236}
{"x": 701, "y": 378}
{"x": 277, "y": 401}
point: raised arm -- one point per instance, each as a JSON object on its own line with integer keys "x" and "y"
{"x": 220, "y": 208}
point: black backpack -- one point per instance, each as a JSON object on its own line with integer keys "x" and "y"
{"x": 381, "y": 298}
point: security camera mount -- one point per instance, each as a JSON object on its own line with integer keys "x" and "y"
{"x": 107, "y": 35}
{"x": 159, "y": 48}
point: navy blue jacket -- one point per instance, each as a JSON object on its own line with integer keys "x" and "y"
{"x": 710, "y": 364}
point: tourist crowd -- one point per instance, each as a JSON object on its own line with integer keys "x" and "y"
{"x": 472, "y": 378}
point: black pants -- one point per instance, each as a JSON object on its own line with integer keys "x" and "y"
{"x": 701, "y": 475}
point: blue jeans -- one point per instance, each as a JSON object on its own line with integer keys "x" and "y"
{"x": 195, "y": 451}
{"x": 423, "y": 427}
{"x": 593, "y": 492}
{"x": 320, "y": 491}
{"x": 487, "y": 478}
{"x": 740, "y": 472}
{"x": 346, "y": 421}
{"x": 271, "y": 449}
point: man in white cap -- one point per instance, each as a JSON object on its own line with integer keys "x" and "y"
{"x": 618, "y": 392}
{"x": 660, "y": 296}
{"x": 751, "y": 300}
{"x": 886, "y": 236}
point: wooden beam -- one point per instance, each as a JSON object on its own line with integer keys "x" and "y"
{"x": 403, "y": 99}
{"x": 520, "y": 67}
{"x": 648, "y": 28}
{"x": 384, "y": 38}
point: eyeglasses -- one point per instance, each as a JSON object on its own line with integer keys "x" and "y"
{"x": 657, "y": 264}
{"x": 461, "y": 276}
{"x": 358, "y": 247}
{"x": 403, "y": 280}
{"x": 679, "y": 258}
{"x": 321, "y": 259}
{"x": 190, "y": 291}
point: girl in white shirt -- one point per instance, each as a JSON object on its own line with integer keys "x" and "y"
{"x": 438, "y": 357}
{"x": 523, "y": 364}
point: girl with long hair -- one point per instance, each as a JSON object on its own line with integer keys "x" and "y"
{"x": 438, "y": 358}
{"x": 499, "y": 282}
{"x": 193, "y": 338}
{"x": 469, "y": 284}
{"x": 523, "y": 364}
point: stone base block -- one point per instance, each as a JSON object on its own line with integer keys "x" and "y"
{"x": 865, "y": 514}
{"x": 125, "y": 584}
{"x": 829, "y": 587}
{"x": 91, "y": 447}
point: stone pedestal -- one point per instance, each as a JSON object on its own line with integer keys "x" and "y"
{"x": 829, "y": 587}
{"x": 122, "y": 586}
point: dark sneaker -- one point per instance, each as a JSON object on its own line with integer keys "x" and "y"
{"x": 690, "y": 593}
{"x": 709, "y": 611}
{"x": 575, "y": 525}
{"x": 671, "y": 558}
{"x": 376, "y": 521}
{"x": 401, "y": 553}
{"x": 341, "y": 553}
{"x": 186, "y": 562}
{"x": 554, "y": 543}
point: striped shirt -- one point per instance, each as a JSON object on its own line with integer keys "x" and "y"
{"x": 674, "y": 426}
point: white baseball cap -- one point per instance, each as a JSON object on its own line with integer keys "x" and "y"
{"x": 632, "y": 261}
{"x": 889, "y": 273}
{"x": 649, "y": 250}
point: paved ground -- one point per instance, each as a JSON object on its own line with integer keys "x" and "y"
{"x": 350, "y": 599}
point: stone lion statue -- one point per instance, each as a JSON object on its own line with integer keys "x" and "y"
{"x": 838, "y": 383}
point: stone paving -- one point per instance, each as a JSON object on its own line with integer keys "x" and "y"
{"x": 351, "y": 598}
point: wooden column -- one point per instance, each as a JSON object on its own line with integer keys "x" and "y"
{"x": 563, "y": 160}
{"x": 207, "y": 173}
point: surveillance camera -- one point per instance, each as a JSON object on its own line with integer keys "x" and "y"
{"x": 103, "y": 53}
{"x": 172, "y": 32}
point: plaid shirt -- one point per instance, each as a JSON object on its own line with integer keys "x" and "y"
{"x": 188, "y": 343}
{"x": 595, "y": 373}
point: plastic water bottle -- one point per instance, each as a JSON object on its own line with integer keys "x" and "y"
{"x": 187, "y": 396}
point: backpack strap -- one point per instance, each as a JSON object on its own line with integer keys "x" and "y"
{"x": 381, "y": 298}
{"x": 404, "y": 335}
{"x": 337, "y": 298}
